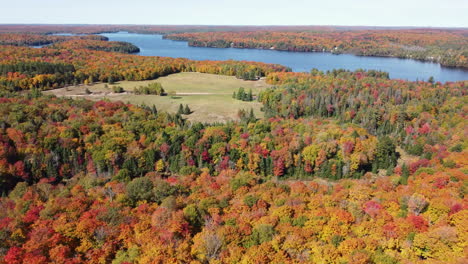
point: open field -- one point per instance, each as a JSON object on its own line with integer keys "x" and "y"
{"x": 209, "y": 96}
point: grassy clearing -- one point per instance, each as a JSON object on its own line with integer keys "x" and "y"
{"x": 208, "y": 96}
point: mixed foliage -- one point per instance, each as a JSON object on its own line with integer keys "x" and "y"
{"x": 92, "y": 44}
{"x": 275, "y": 147}
{"x": 347, "y": 167}
{"x": 18, "y": 67}
{"x": 22, "y": 39}
{"x": 447, "y": 47}
{"x": 133, "y": 189}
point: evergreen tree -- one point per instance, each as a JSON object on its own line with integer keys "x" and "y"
{"x": 35, "y": 93}
{"x": 404, "y": 174}
{"x": 250, "y": 96}
{"x": 241, "y": 94}
{"x": 431, "y": 80}
{"x": 181, "y": 110}
{"x": 154, "y": 110}
{"x": 187, "y": 110}
{"x": 252, "y": 117}
{"x": 385, "y": 155}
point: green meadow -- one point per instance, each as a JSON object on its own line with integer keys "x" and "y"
{"x": 209, "y": 96}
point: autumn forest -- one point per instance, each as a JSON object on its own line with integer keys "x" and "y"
{"x": 341, "y": 167}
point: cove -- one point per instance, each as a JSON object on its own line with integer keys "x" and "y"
{"x": 407, "y": 69}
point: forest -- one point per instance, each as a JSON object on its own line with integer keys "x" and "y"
{"x": 32, "y": 66}
{"x": 345, "y": 167}
{"x": 29, "y": 39}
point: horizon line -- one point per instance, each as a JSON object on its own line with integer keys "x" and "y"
{"x": 233, "y": 25}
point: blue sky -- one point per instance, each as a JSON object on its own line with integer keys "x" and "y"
{"x": 434, "y": 13}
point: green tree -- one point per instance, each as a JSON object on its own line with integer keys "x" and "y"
{"x": 180, "y": 111}
{"x": 154, "y": 110}
{"x": 250, "y": 200}
{"x": 385, "y": 154}
{"x": 122, "y": 176}
{"x": 431, "y": 80}
{"x": 249, "y": 97}
{"x": 405, "y": 173}
{"x": 194, "y": 217}
{"x": 187, "y": 110}
{"x": 252, "y": 117}
{"x": 162, "y": 189}
{"x": 118, "y": 89}
{"x": 140, "y": 189}
{"x": 241, "y": 94}
{"x": 261, "y": 234}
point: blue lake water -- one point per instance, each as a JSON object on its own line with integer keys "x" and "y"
{"x": 155, "y": 45}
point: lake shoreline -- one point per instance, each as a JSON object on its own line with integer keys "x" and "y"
{"x": 191, "y": 44}
{"x": 398, "y": 68}
{"x": 156, "y": 44}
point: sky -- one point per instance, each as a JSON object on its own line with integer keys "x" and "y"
{"x": 419, "y": 13}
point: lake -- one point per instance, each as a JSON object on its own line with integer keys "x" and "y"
{"x": 155, "y": 45}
